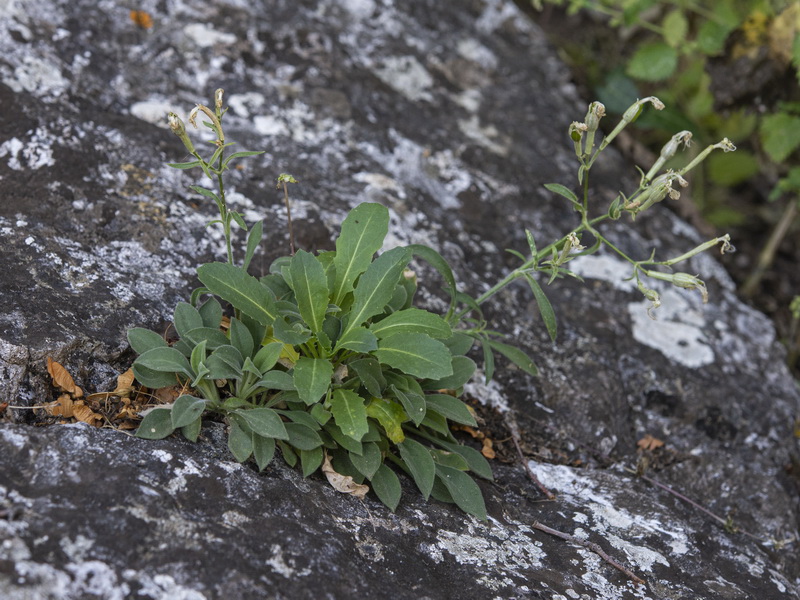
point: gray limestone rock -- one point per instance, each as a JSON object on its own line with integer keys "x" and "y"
{"x": 453, "y": 115}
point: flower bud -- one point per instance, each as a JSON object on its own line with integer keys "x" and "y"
{"x": 177, "y": 127}
{"x": 690, "y": 282}
{"x": 668, "y": 151}
{"x": 635, "y": 109}
{"x": 218, "y": 100}
{"x": 652, "y": 296}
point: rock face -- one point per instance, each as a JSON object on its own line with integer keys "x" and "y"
{"x": 453, "y": 115}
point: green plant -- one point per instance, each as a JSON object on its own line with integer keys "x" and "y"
{"x": 327, "y": 359}
{"x": 703, "y": 59}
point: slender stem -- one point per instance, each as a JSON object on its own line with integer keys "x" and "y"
{"x": 767, "y": 255}
{"x": 288, "y": 216}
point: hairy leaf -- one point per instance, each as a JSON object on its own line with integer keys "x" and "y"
{"x": 186, "y": 410}
{"x": 545, "y": 309}
{"x": 302, "y": 437}
{"x": 412, "y": 320}
{"x": 391, "y": 417}
{"x": 387, "y": 487}
{"x": 263, "y": 451}
{"x": 376, "y": 285}
{"x": 310, "y": 288}
{"x": 363, "y": 231}
{"x": 463, "y": 368}
{"x": 413, "y": 403}
{"x": 243, "y": 291}
{"x": 419, "y": 462}
{"x": 156, "y": 425}
{"x": 416, "y": 354}
{"x": 312, "y": 378}
{"x": 515, "y": 355}
{"x": 369, "y": 372}
{"x": 451, "y": 408}
{"x": 165, "y": 360}
{"x": 240, "y": 442}
{"x": 369, "y": 461}
{"x": 225, "y": 363}
{"x": 464, "y": 491}
{"x": 142, "y": 340}
{"x": 241, "y": 339}
{"x": 264, "y": 422}
{"x": 358, "y": 339}
{"x": 349, "y": 413}
{"x": 186, "y": 318}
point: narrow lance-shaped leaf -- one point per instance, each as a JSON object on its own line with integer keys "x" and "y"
{"x": 559, "y": 189}
{"x": 440, "y": 264}
{"x": 253, "y": 240}
{"x": 419, "y": 462}
{"x": 416, "y": 354}
{"x": 363, "y": 231}
{"x": 310, "y": 288}
{"x": 515, "y": 355}
{"x": 464, "y": 491}
{"x": 243, "y": 291}
{"x": 545, "y": 308}
{"x": 412, "y": 320}
{"x": 376, "y": 286}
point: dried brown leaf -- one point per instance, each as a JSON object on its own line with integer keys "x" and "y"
{"x": 488, "y": 450}
{"x": 648, "y": 442}
{"x": 62, "y": 379}
{"x": 85, "y": 414}
{"x": 63, "y": 407}
{"x": 124, "y": 384}
{"x": 343, "y": 483}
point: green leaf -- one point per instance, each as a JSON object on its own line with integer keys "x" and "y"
{"x": 369, "y": 372}
{"x": 412, "y": 320}
{"x": 241, "y": 338}
{"x": 310, "y": 460}
{"x": 419, "y": 462}
{"x": 369, "y": 461}
{"x": 153, "y": 379}
{"x": 376, "y": 285}
{"x": 310, "y": 288}
{"x": 289, "y": 454}
{"x": 464, "y": 491}
{"x": 186, "y": 410}
{"x": 184, "y": 165}
{"x": 451, "y": 408}
{"x": 302, "y": 437}
{"x": 165, "y": 360}
{"x": 156, "y": 425}
{"x": 391, "y": 417}
{"x": 243, "y": 291}
{"x": 197, "y": 360}
{"x": 387, "y": 487}
{"x": 186, "y": 318}
{"x": 264, "y": 422}
{"x": 363, "y": 231}
{"x": 213, "y": 338}
{"x": 225, "y": 363}
{"x": 349, "y": 413}
{"x": 240, "y": 442}
{"x": 277, "y": 380}
{"x": 433, "y": 420}
{"x": 463, "y": 368}
{"x": 301, "y": 416}
{"x": 142, "y": 340}
{"x": 319, "y": 414}
{"x": 263, "y": 451}
{"x": 192, "y": 431}
{"x": 711, "y": 37}
{"x": 416, "y": 354}
{"x": 515, "y": 355}
{"x": 654, "y": 61}
{"x": 675, "y": 26}
{"x": 241, "y": 154}
{"x": 450, "y": 459}
{"x": 211, "y": 313}
{"x": 561, "y": 190}
{"x": 488, "y": 360}
{"x": 459, "y": 344}
{"x": 477, "y": 463}
{"x": 780, "y": 135}
{"x": 312, "y": 378}
{"x": 268, "y": 356}
{"x": 545, "y": 309}
{"x": 346, "y": 442}
{"x": 436, "y": 260}
{"x": 358, "y": 339}
{"x": 290, "y": 334}
{"x": 414, "y": 404}
{"x": 253, "y": 240}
